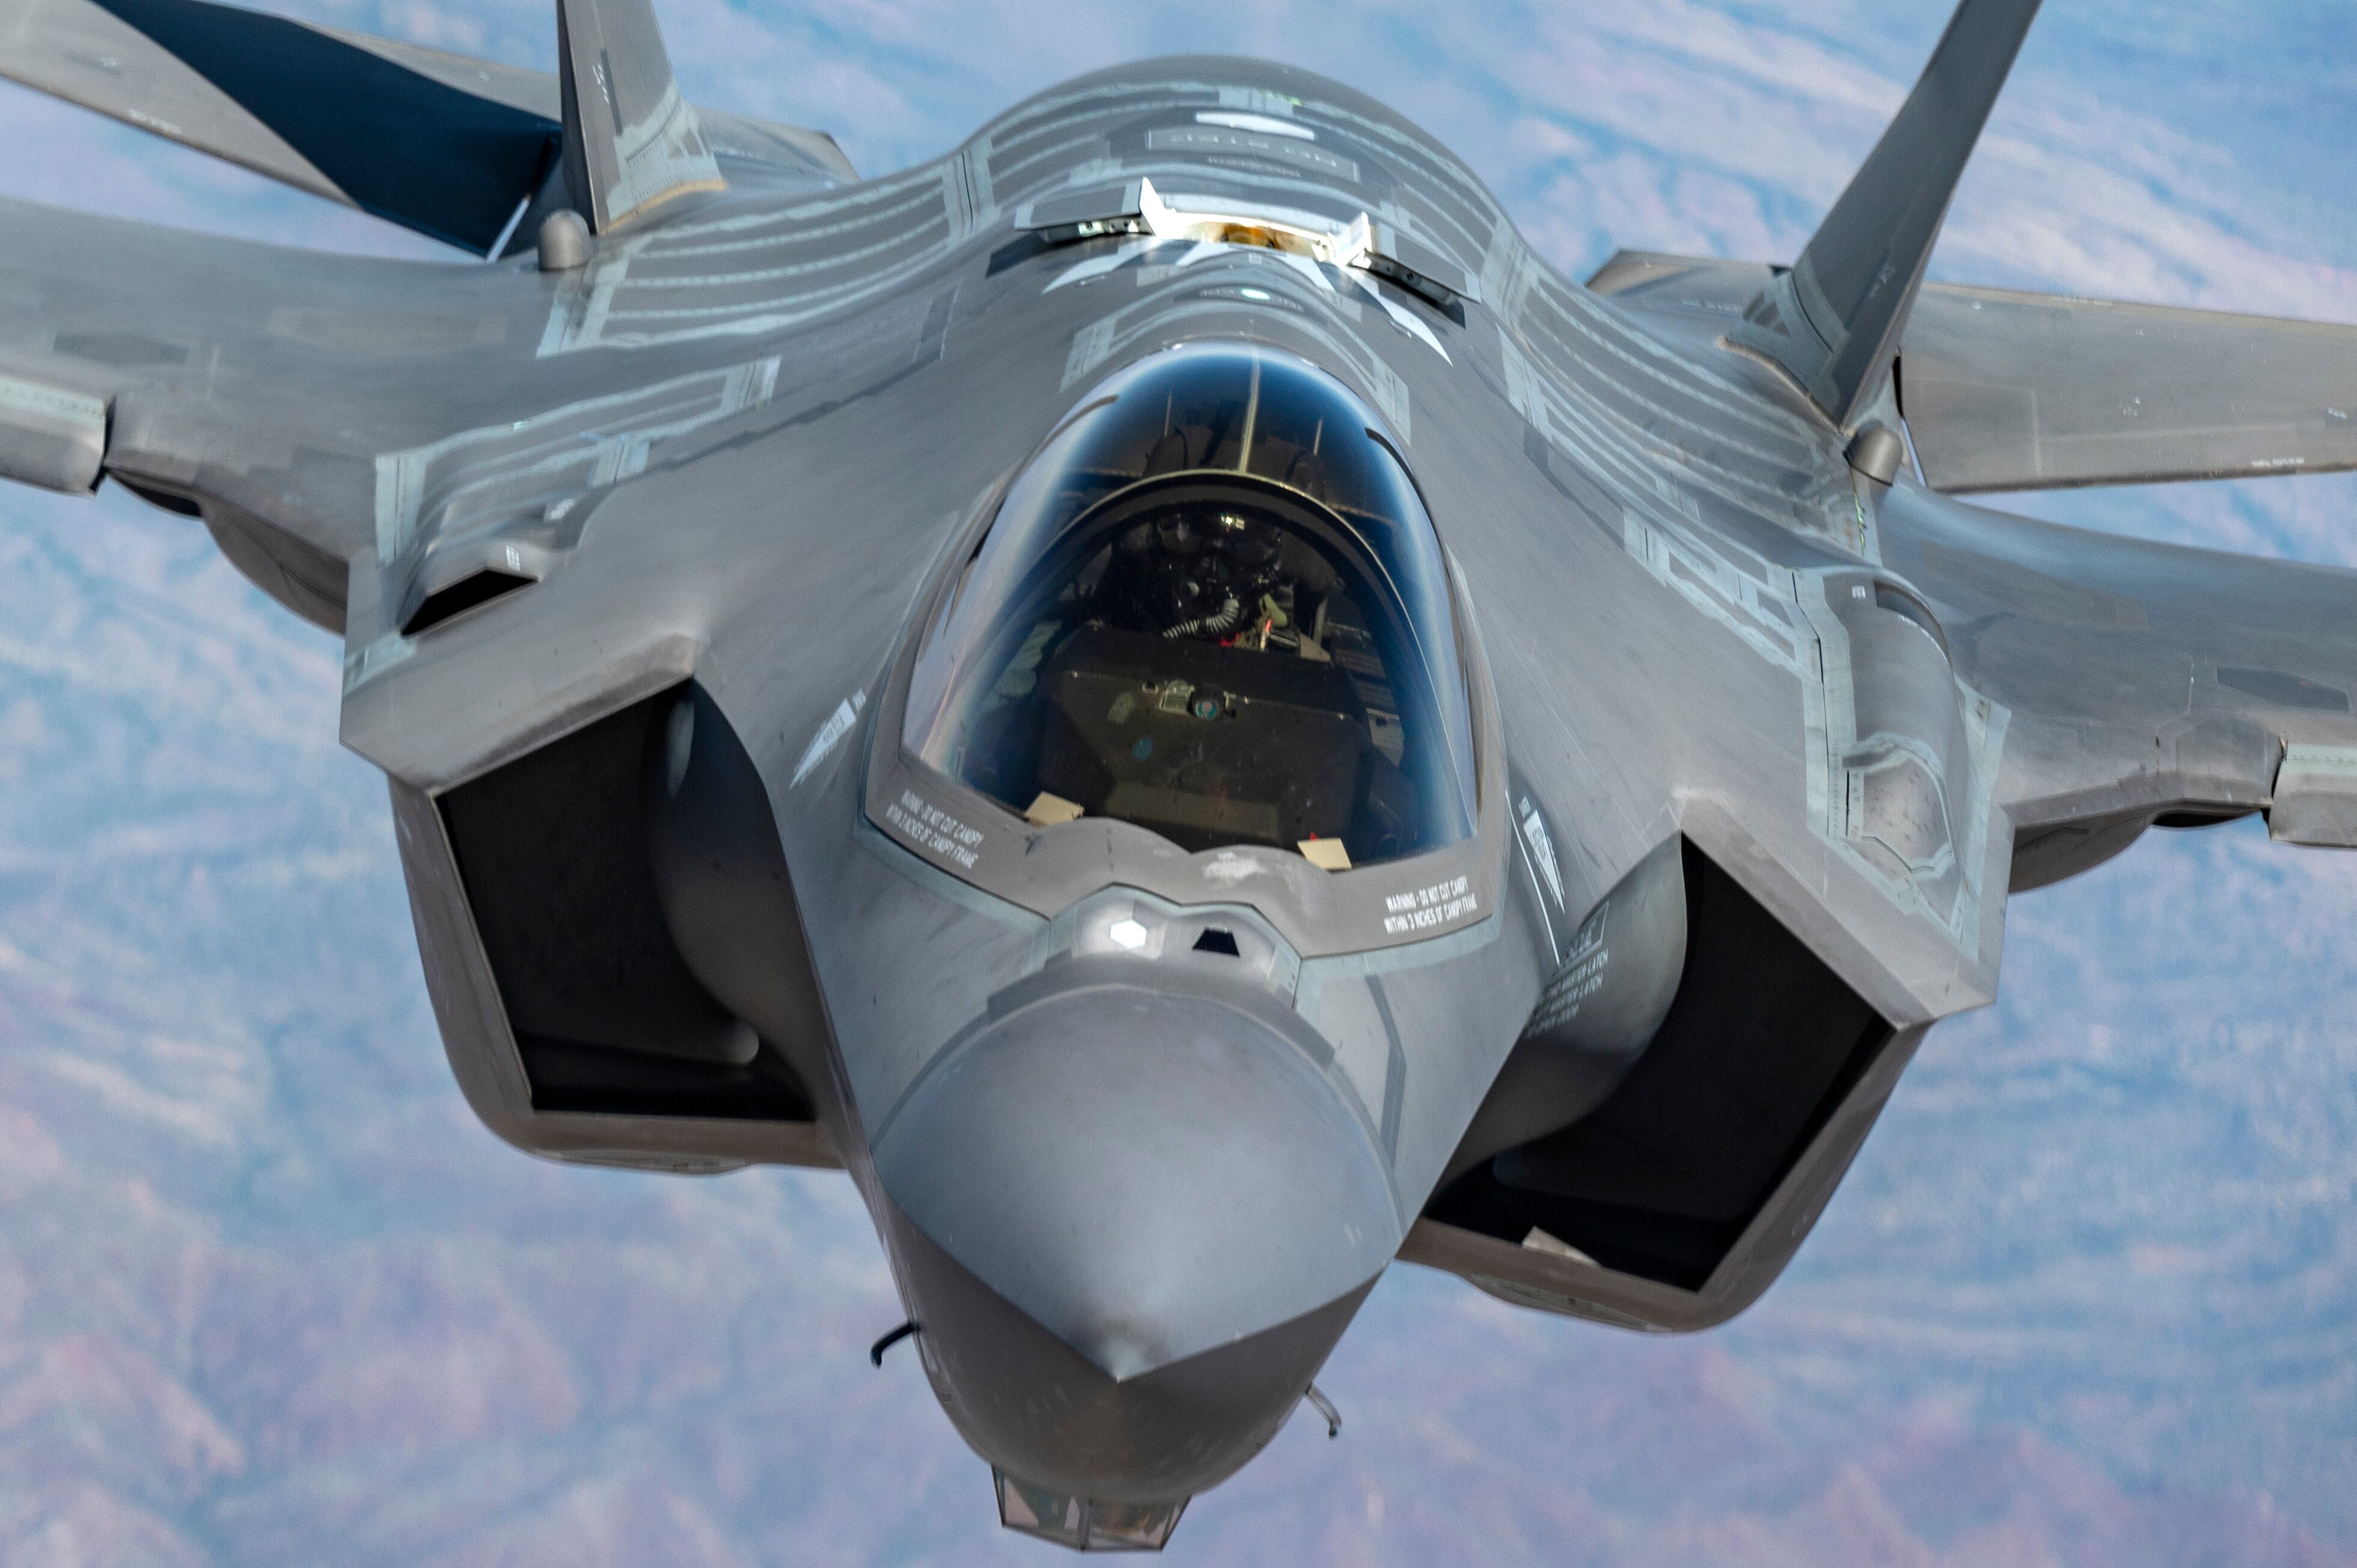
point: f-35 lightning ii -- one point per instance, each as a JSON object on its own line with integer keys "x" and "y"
{"x": 1159, "y": 688}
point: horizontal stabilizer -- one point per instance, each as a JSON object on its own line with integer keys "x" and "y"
{"x": 2012, "y": 392}
{"x": 1834, "y": 319}
{"x": 790, "y": 150}
{"x": 630, "y": 140}
{"x": 447, "y": 145}
{"x": 290, "y": 102}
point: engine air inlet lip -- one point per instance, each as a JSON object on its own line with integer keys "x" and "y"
{"x": 475, "y": 589}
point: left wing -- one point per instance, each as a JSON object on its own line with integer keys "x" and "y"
{"x": 2019, "y": 391}
{"x": 2007, "y": 390}
{"x": 2143, "y": 682}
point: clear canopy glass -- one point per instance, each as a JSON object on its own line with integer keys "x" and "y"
{"x": 1212, "y": 606}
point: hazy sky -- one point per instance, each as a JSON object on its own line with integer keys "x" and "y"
{"x": 268, "y": 1295}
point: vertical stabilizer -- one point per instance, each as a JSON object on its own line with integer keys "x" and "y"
{"x": 1834, "y": 321}
{"x": 630, "y": 140}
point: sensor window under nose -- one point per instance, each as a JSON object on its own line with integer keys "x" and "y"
{"x": 1213, "y": 607}
{"x": 1089, "y": 1525}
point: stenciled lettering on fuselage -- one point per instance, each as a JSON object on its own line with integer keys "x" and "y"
{"x": 934, "y": 831}
{"x": 1430, "y": 907}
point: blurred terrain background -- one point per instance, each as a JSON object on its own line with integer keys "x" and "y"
{"x": 270, "y": 1295}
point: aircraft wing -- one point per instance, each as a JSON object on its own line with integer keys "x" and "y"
{"x": 447, "y": 145}
{"x": 249, "y": 384}
{"x": 2016, "y": 391}
{"x": 2145, "y": 683}
{"x": 2004, "y": 391}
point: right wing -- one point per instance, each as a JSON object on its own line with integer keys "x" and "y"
{"x": 267, "y": 390}
{"x": 251, "y": 385}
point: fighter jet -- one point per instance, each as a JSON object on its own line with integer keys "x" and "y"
{"x": 1159, "y": 688}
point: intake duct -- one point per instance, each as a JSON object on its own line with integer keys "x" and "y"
{"x": 1607, "y": 1000}
{"x": 1761, "y": 1045}
{"x": 720, "y": 877}
{"x": 558, "y": 855}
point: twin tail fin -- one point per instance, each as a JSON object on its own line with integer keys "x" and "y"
{"x": 1834, "y": 321}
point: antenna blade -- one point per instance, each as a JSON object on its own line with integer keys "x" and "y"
{"x": 1834, "y": 321}
{"x": 630, "y": 140}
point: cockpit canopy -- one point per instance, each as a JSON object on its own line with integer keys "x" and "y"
{"x": 1213, "y": 607}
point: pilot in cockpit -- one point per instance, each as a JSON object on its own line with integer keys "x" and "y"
{"x": 1217, "y": 575}
{"x": 1209, "y": 637}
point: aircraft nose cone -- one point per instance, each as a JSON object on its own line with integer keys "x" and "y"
{"x": 1134, "y": 1223}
